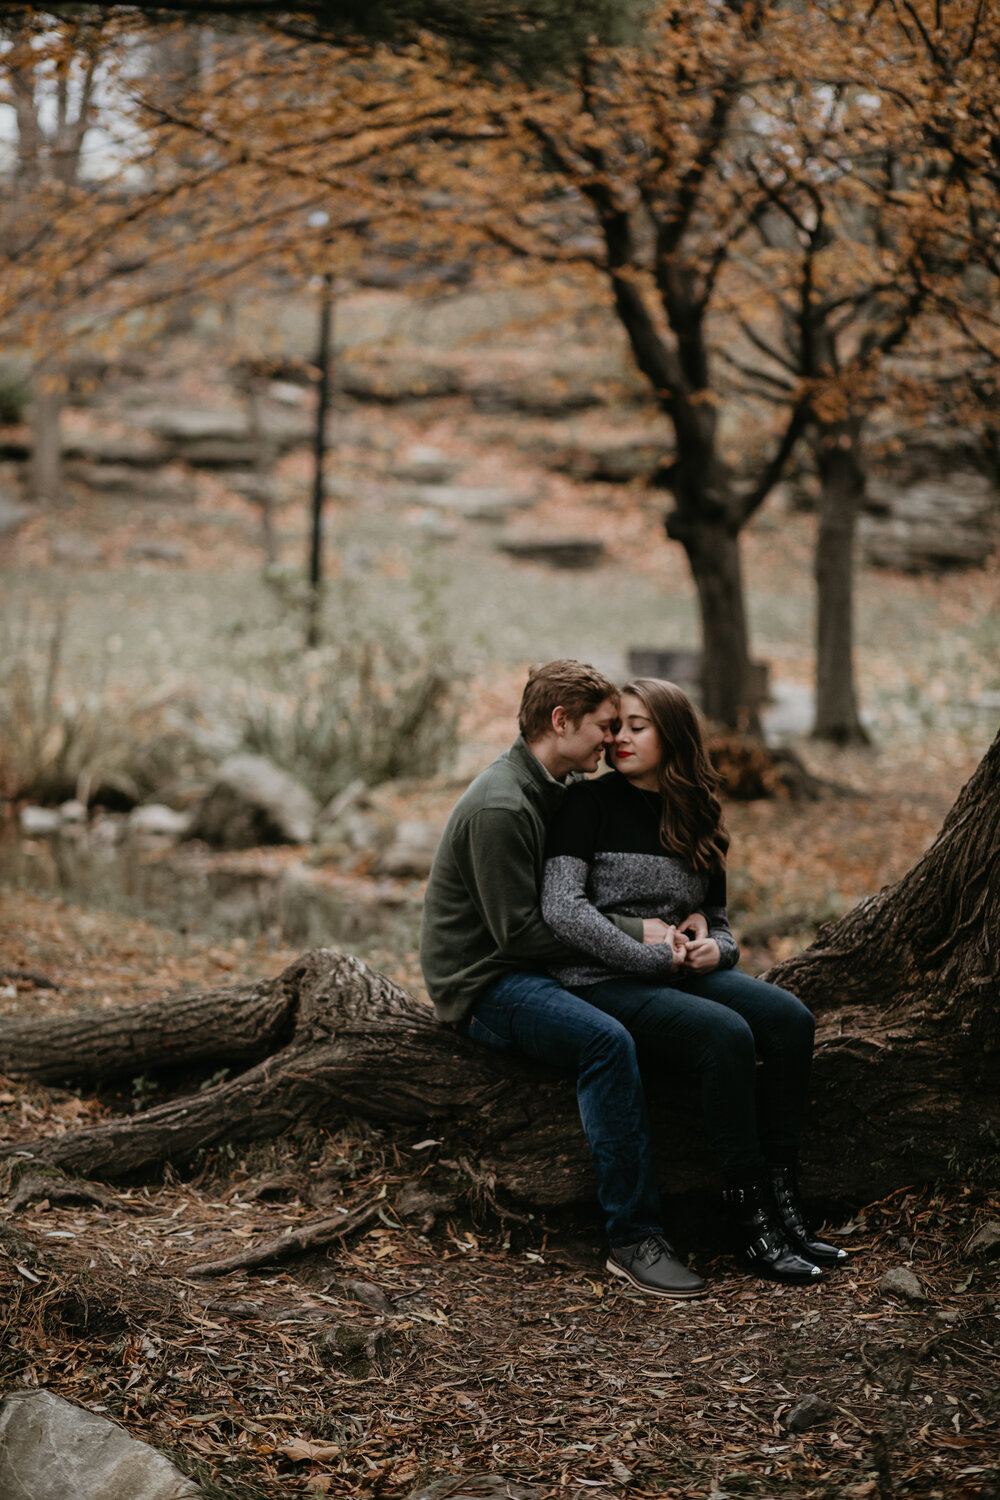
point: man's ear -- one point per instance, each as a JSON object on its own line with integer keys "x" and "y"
{"x": 560, "y": 720}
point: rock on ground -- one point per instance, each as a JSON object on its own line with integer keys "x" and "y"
{"x": 51, "y": 1450}
{"x": 423, "y": 464}
{"x": 404, "y": 379}
{"x": 476, "y": 504}
{"x": 411, "y": 853}
{"x": 155, "y": 550}
{"x": 37, "y": 822}
{"x": 13, "y": 515}
{"x": 157, "y": 818}
{"x": 556, "y": 551}
{"x": 811, "y": 1411}
{"x": 70, "y": 547}
{"x": 253, "y": 801}
{"x": 948, "y": 522}
{"x": 901, "y": 1282}
{"x": 985, "y": 1243}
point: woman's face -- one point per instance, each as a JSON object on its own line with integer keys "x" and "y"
{"x": 636, "y": 749}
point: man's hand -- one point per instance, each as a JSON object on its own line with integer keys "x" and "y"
{"x": 702, "y": 955}
{"x": 694, "y": 927}
{"x": 655, "y": 931}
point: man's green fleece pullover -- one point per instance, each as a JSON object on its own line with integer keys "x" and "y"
{"x": 481, "y": 916}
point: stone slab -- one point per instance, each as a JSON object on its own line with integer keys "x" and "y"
{"x": 13, "y": 515}
{"x": 53, "y": 1450}
{"x": 556, "y": 552}
{"x": 476, "y": 504}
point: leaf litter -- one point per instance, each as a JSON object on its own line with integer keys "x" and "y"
{"x": 477, "y": 1346}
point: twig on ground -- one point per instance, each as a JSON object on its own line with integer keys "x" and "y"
{"x": 309, "y": 1237}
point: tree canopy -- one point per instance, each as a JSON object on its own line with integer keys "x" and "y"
{"x": 533, "y": 36}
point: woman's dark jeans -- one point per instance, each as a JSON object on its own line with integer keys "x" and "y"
{"x": 714, "y": 1025}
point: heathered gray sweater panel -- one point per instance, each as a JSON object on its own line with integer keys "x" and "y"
{"x": 568, "y": 910}
{"x": 579, "y": 894}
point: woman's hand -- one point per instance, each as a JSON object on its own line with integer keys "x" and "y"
{"x": 694, "y": 927}
{"x": 702, "y": 955}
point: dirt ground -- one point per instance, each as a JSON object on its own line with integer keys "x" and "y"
{"x": 457, "y": 1342}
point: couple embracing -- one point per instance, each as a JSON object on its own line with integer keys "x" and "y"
{"x": 583, "y": 923}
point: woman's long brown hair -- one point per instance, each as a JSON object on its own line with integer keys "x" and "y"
{"x": 691, "y": 823}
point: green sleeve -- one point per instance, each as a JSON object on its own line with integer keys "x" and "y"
{"x": 501, "y": 869}
{"x": 631, "y": 926}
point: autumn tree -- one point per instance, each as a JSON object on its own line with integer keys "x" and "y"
{"x": 49, "y": 82}
{"x": 771, "y": 226}
{"x": 830, "y": 280}
{"x": 952, "y": 50}
{"x": 218, "y": 185}
{"x": 645, "y": 148}
{"x": 531, "y": 35}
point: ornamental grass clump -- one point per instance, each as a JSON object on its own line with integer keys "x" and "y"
{"x": 376, "y": 707}
{"x": 95, "y": 740}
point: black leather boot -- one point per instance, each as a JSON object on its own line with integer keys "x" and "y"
{"x": 791, "y": 1215}
{"x": 761, "y": 1242}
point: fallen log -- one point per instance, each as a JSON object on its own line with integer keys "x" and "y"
{"x": 904, "y": 1086}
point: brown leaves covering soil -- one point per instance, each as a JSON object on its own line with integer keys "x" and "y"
{"x": 483, "y": 1349}
{"x": 470, "y": 1345}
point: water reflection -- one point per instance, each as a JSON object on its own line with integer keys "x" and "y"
{"x": 187, "y": 890}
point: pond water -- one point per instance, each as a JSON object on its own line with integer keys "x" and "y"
{"x": 187, "y": 890}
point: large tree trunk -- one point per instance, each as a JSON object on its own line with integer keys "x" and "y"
{"x": 707, "y": 518}
{"x": 841, "y": 489}
{"x": 713, "y": 552}
{"x": 923, "y": 956}
{"x": 905, "y": 1081}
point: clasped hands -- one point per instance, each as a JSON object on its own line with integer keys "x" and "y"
{"x": 692, "y": 947}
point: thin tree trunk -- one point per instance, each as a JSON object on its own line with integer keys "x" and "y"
{"x": 46, "y": 453}
{"x": 841, "y": 490}
{"x": 707, "y": 520}
{"x": 319, "y": 464}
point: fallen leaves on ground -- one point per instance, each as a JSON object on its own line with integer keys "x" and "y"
{"x": 500, "y": 1354}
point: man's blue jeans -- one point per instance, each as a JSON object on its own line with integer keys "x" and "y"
{"x": 713, "y": 1025}
{"x": 531, "y": 1013}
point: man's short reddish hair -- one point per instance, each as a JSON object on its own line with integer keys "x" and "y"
{"x": 568, "y": 684}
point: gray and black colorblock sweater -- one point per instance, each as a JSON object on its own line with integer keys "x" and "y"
{"x": 481, "y": 915}
{"x": 603, "y": 856}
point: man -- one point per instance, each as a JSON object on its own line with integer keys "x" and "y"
{"x": 485, "y": 952}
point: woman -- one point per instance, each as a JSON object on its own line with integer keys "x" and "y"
{"x": 648, "y": 841}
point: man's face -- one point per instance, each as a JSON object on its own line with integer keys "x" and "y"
{"x": 583, "y": 744}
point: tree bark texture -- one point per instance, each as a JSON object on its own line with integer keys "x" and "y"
{"x": 841, "y": 489}
{"x": 905, "y": 1083}
{"x": 713, "y": 552}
